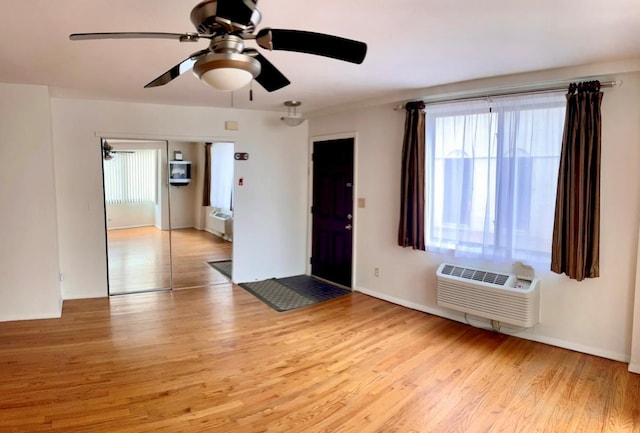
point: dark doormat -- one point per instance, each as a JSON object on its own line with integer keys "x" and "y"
{"x": 224, "y": 267}
{"x": 313, "y": 288}
{"x": 285, "y": 294}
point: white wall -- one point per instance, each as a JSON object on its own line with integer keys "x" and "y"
{"x": 128, "y": 215}
{"x": 270, "y": 217}
{"x": 594, "y": 316}
{"x": 29, "y": 285}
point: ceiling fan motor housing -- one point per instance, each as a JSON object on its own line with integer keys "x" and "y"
{"x": 204, "y": 18}
{"x": 226, "y": 53}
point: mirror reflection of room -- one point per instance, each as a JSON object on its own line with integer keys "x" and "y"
{"x": 164, "y": 229}
{"x": 199, "y": 238}
{"x": 136, "y": 199}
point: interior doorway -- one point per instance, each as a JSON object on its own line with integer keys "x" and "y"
{"x": 332, "y": 211}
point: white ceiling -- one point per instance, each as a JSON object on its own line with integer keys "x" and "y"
{"x": 412, "y": 44}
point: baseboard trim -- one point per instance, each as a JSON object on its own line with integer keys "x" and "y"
{"x": 527, "y": 335}
{"x": 218, "y": 234}
{"x": 135, "y": 226}
{"x": 17, "y": 318}
{"x": 634, "y": 368}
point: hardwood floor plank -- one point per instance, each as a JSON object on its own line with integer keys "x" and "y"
{"x": 217, "y": 359}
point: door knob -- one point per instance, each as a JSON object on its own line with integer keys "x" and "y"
{"x": 348, "y": 227}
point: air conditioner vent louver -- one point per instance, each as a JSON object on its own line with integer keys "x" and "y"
{"x": 475, "y": 274}
{"x": 493, "y": 295}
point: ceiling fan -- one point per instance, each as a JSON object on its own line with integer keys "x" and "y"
{"x": 108, "y": 152}
{"x": 226, "y": 64}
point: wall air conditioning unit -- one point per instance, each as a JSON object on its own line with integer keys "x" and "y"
{"x": 505, "y": 298}
{"x": 220, "y": 223}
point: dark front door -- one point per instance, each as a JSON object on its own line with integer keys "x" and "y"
{"x": 332, "y": 211}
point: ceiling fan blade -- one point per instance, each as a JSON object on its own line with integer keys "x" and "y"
{"x": 312, "y": 43}
{"x": 270, "y": 77}
{"x": 182, "y": 37}
{"x": 177, "y": 70}
{"x": 236, "y": 11}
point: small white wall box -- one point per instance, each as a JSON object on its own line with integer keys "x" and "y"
{"x": 179, "y": 172}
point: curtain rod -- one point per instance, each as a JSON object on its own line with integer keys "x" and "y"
{"x": 477, "y": 95}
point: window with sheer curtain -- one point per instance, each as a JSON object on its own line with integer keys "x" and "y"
{"x": 491, "y": 176}
{"x": 131, "y": 177}
{"x": 222, "y": 175}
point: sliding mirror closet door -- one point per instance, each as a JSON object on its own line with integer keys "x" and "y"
{"x": 200, "y": 240}
{"x": 137, "y": 215}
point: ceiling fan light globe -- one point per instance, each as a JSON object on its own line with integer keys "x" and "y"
{"x": 226, "y": 78}
{"x": 226, "y": 71}
{"x": 292, "y": 120}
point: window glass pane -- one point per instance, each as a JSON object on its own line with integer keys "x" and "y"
{"x": 491, "y": 176}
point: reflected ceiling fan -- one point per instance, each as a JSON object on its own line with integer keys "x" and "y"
{"x": 108, "y": 152}
{"x": 226, "y": 64}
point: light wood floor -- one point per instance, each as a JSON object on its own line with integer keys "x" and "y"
{"x": 139, "y": 259}
{"x": 219, "y": 360}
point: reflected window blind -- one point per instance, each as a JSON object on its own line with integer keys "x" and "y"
{"x": 131, "y": 177}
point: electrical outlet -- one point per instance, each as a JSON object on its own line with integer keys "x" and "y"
{"x": 376, "y": 272}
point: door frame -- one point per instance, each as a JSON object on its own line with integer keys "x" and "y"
{"x": 312, "y": 139}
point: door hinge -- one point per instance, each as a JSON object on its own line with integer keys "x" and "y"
{"x": 311, "y": 260}
{"x": 311, "y": 209}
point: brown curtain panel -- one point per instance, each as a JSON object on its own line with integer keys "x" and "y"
{"x": 411, "y": 227}
{"x": 575, "y": 250}
{"x": 206, "y": 190}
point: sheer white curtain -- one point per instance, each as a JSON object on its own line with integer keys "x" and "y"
{"x": 131, "y": 177}
{"x": 492, "y": 169}
{"x": 222, "y": 175}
